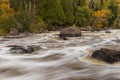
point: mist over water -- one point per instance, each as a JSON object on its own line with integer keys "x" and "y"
{"x": 58, "y": 59}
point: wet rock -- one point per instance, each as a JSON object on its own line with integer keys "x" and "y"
{"x": 22, "y": 35}
{"x": 13, "y": 37}
{"x": 117, "y": 41}
{"x": 22, "y": 49}
{"x": 107, "y": 31}
{"x": 14, "y": 31}
{"x": 107, "y": 55}
{"x": 87, "y": 28}
{"x": 70, "y": 32}
{"x": 98, "y": 29}
{"x": 36, "y": 47}
{"x": 64, "y": 38}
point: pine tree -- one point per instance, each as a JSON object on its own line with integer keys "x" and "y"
{"x": 42, "y": 8}
{"x": 114, "y": 10}
{"x": 68, "y": 10}
{"x": 81, "y": 2}
{"x": 54, "y": 14}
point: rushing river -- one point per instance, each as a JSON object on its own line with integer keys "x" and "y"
{"x": 60, "y": 59}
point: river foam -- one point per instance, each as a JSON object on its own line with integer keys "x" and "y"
{"x": 59, "y": 59}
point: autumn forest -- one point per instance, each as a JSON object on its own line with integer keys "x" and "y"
{"x": 40, "y": 15}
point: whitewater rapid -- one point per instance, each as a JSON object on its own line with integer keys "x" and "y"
{"x": 59, "y": 59}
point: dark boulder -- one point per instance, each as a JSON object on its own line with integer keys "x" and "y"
{"x": 107, "y": 31}
{"x": 107, "y": 55}
{"x": 22, "y": 49}
{"x": 64, "y": 38}
{"x": 70, "y": 32}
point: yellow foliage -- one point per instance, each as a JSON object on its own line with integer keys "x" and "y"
{"x": 118, "y": 2}
{"x": 101, "y": 13}
{"x": 99, "y": 24}
{"x": 5, "y": 8}
{"x": 100, "y": 17}
{"x": 4, "y": 1}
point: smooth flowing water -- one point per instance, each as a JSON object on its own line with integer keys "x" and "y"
{"x": 60, "y": 59}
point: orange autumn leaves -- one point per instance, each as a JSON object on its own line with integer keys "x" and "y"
{"x": 101, "y": 13}
{"x": 5, "y": 12}
{"x": 5, "y": 8}
{"x": 118, "y": 2}
{"x": 100, "y": 17}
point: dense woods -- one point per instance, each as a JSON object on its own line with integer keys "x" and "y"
{"x": 39, "y": 15}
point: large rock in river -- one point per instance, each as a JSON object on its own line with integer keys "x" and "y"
{"x": 21, "y": 49}
{"x": 107, "y": 55}
{"x": 70, "y": 32}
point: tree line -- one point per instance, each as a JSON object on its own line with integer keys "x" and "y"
{"x": 39, "y": 15}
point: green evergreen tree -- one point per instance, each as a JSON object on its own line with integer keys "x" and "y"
{"x": 83, "y": 16}
{"x": 42, "y": 8}
{"x": 54, "y": 13}
{"x": 68, "y": 10}
{"x": 114, "y": 11}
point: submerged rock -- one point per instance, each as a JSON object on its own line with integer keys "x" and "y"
{"x": 70, "y": 32}
{"x": 107, "y": 55}
{"x": 22, "y": 49}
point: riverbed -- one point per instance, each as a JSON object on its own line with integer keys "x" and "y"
{"x": 60, "y": 59}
